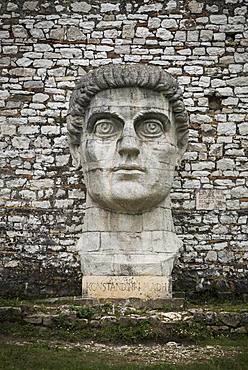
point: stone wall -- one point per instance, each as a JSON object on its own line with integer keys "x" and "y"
{"x": 46, "y": 46}
{"x": 181, "y": 325}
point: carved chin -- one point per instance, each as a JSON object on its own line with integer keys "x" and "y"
{"x": 130, "y": 199}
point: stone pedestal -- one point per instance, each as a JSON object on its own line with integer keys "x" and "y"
{"x": 128, "y": 256}
{"x": 126, "y": 287}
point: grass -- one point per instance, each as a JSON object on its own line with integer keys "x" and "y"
{"x": 220, "y": 306}
{"x": 208, "y": 304}
{"x": 43, "y": 357}
{"x": 69, "y": 332}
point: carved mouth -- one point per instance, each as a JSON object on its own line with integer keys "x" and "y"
{"x": 128, "y": 168}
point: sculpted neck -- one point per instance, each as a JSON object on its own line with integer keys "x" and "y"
{"x": 104, "y": 220}
{"x": 125, "y": 244}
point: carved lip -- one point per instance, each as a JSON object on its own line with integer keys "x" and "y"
{"x": 129, "y": 167}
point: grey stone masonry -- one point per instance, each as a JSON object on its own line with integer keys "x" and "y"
{"x": 45, "y": 47}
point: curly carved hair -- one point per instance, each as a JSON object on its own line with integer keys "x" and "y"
{"x": 129, "y": 75}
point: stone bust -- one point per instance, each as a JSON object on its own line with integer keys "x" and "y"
{"x": 128, "y": 130}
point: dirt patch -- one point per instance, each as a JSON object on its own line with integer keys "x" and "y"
{"x": 170, "y": 352}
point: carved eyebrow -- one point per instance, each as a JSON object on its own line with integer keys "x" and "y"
{"x": 152, "y": 114}
{"x": 101, "y": 115}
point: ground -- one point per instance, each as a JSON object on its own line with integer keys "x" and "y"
{"x": 65, "y": 346}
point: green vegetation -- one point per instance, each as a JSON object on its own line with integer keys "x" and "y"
{"x": 74, "y": 332}
{"x": 70, "y": 326}
{"x": 113, "y": 332}
{"x": 207, "y": 302}
{"x": 108, "y": 323}
{"x": 221, "y": 306}
{"x": 44, "y": 357}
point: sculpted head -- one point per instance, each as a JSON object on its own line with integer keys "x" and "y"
{"x": 128, "y": 129}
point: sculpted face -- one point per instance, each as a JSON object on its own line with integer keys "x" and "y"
{"x": 128, "y": 149}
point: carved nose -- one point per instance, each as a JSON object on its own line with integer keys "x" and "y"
{"x": 128, "y": 146}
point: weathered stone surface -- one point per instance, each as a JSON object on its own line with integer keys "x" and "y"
{"x": 238, "y": 81}
{"x": 24, "y": 62}
{"x": 169, "y": 23}
{"x": 126, "y": 287}
{"x": 195, "y": 6}
{"x": 150, "y": 8}
{"x": 11, "y": 7}
{"x": 19, "y": 31}
{"x": 81, "y": 7}
{"x": 40, "y": 98}
{"x": 74, "y": 33}
{"x": 21, "y": 72}
{"x": 57, "y": 34}
{"x": 230, "y": 319}
{"x": 30, "y": 5}
{"x": 109, "y": 24}
{"x": 164, "y": 34}
{"x": 34, "y": 319}
{"x": 10, "y": 314}
{"x": 44, "y": 24}
{"x": 128, "y": 191}
{"x": 210, "y": 199}
{"x": 128, "y": 31}
{"x": 105, "y": 8}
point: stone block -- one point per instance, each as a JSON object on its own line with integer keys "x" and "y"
{"x": 231, "y": 319}
{"x": 38, "y": 33}
{"x": 23, "y": 72}
{"x": 154, "y": 22}
{"x": 42, "y": 63}
{"x": 80, "y": 7}
{"x": 58, "y": 33}
{"x": 33, "y": 319}
{"x": 195, "y": 6}
{"x": 126, "y": 287}
{"x": 11, "y": 7}
{"x": 150, "y": 8}
{"x": 44, "y": 24}
{"x": 164, "y": 34}
{"x": 24, "y": 62}
{"x": 225, "y": 164}
{"x": 30, "y": 5}
{"x": 105, "y": 25}
{"x": 4, "y": 35}
{"x": 19, "y": 31}
{"x": 10, "y": 49}
{"x": 10, "y": 314}
{"x": 238, "y": 81}
{"x": 40, "y": 97}
{"x": 194, "y": 70}
{"x": 5, "y": 61}
{"x": 210, "y": 199}
{"x": 75, "y": 34}
{"x": 169, "y": 23}
{"x": 107, "y": 7}
{"x": 218, "y": 19}
{"x": 142, "y": 32}
{"x": 243, "y": 128}
{"x": 226, "y": 128}
{"x": 211, "y": 256}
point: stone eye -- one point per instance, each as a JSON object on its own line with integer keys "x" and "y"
{"x": 150, "y": 128}
{"x": 105, "y": 128}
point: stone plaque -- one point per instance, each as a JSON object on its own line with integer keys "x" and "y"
{"x": 210, "y": 199}
{"x": 124, "y": 287}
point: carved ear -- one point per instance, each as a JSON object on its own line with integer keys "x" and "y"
{"x": 180, "y": 152}
{"x": 182, "y": 143}
{"x": 76, "y": 158}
